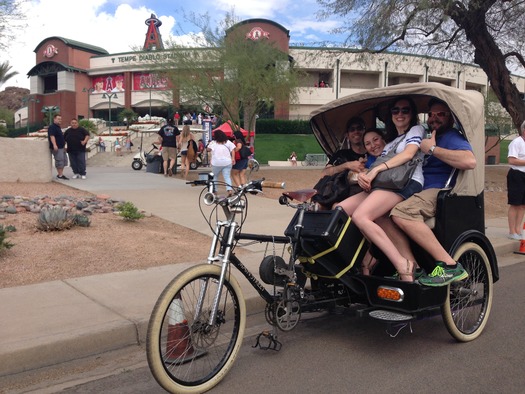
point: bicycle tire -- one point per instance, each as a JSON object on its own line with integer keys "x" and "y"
{"x": 185, "y": 354}
{"x": 469, "y": 301}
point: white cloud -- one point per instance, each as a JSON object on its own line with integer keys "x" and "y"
{"x": 81, "y": 21}
{"x": 119, "y": 27}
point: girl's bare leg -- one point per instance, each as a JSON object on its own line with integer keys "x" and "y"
{"x": 378, "y": 203}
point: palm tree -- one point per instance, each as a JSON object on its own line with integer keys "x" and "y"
{"x": 5, "y": 74}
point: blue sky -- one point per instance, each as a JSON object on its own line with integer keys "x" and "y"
{"x": 118, "y": 26}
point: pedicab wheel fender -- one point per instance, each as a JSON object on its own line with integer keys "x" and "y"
{"x": 469, "y": 302}
{"x": 136, "y": 165}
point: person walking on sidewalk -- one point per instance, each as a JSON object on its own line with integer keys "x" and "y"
{"x": 76, "y": 140}
{"x": 516, "y": 184}
{"x": 57, "y": 146}
{"x": 445, "y": 150}
{"x": 169, "y": 136}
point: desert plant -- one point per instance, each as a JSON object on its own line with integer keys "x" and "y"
{"x": 129, "y": 211}
{"x": 54, "y": 219}
{"x": 4, "y": 243}
{"x": 81, "y": 220}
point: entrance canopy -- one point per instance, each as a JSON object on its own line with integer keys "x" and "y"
{"x": 227, "y": 129}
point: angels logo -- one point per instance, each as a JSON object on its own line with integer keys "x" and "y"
{"x": 50, "y": 51}
{"x": 257, "y": 33}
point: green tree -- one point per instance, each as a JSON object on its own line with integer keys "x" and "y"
{"x": 5, "y": 73}
{"x": 127, "y": 116}
{"x": 226, "y": 70}
{"x": 7, "y": 115}
{"x": 88, "y": 125}
{"x": 488, "y": 32}
{"x": 11, "y": 18}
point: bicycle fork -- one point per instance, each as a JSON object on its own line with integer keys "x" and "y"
{"x": 223, "y": 257}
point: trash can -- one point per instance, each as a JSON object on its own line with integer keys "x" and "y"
{"x": 154, "y": 164}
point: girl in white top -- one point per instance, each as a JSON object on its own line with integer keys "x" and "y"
{"x": 371, "y": 204}
{"x": 222, "y": 158}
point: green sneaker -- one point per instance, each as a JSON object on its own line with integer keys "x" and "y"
{"x": 442, "y": 275}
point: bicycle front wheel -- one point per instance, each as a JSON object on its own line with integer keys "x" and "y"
{"x": 187, "y": 354}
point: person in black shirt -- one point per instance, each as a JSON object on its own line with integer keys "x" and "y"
{"x": 169, "y": 139}
{"x": 76, "y": 139}
{"x": 57, "y": 146}
{"x": 333, "y": 186}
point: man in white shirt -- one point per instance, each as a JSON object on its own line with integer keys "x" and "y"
{"x": 516, "y": 184}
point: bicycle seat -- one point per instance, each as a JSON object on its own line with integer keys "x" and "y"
{"x": 301, "y": 195}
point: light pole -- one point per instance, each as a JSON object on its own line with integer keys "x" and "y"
{"x": 109, "y": 96}
{"x": 49, "y": 111}
{"x": 27, "y": 100}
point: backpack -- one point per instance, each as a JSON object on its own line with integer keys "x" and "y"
{"x": 245, "y": 152}
{"x": 192, "y": 151}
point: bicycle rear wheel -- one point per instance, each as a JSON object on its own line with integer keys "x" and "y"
{"x": 469, "y": 301}
{"x": 185, "y": 353}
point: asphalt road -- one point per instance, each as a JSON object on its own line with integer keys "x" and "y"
{"x": 337, "y": 353}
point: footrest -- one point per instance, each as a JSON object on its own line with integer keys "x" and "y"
{"x": 390, "y": 316}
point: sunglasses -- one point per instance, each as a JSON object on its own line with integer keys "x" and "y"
{"x": 355, "y": 128}
{"x": 440, "y": 114}
{"x": 403, "y": 110}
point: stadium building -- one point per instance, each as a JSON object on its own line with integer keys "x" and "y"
{"x": 85, "y": 81}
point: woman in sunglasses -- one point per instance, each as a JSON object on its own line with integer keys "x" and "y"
{"x": 404, "y": 134}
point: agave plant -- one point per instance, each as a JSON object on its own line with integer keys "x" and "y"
{"x": 81, "y": 220}
{"x": 56, "y": 218}
{"x": 4, "y": 243}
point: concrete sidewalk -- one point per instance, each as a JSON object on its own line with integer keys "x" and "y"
{"x": 54, "y": 322}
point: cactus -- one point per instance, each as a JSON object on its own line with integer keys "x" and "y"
{"x": 4, "y": 243}
{"x": 54, "y": 219}
{"x": 81, "y": 220}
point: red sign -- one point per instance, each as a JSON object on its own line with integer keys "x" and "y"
{"x": 108, "y": 84}
{"x": 257, "y": 33}
{"x": 50, "y": 51}
{"x": 146, "y": 81}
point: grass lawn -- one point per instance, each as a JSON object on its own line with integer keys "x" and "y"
{"x": 279, "y": 146}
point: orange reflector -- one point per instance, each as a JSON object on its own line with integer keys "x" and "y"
{"x": 390, "y": 293}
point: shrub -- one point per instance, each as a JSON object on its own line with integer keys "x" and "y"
{"x": 279, "y": 126}
{"x": 129, "y": 211}
{"x": 4, "y": 243}
{"x": 54, "y": 219}
{"x": 81, "y": 220}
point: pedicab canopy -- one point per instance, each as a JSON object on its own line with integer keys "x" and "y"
{"x": 228, "y": 127}
{"x": 329, "y": 121}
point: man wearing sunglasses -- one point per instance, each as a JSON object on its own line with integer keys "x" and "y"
{"x": 446, "y": 149}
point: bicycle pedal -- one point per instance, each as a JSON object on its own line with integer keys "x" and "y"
{"x": 272, "y": 342}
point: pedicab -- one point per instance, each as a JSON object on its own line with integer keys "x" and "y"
{"x": 197, "y": 325}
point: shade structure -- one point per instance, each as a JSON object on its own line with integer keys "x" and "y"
{"x": 227, "y": 128}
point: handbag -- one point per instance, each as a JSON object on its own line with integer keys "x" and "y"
{"x": 245, "y": 152}
{"x": 395, "y": 178}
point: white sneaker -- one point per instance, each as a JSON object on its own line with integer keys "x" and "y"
{"x": 83, "y": 177}
{"x": 515, "y": 237}
{"x": 75, "y": 176}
